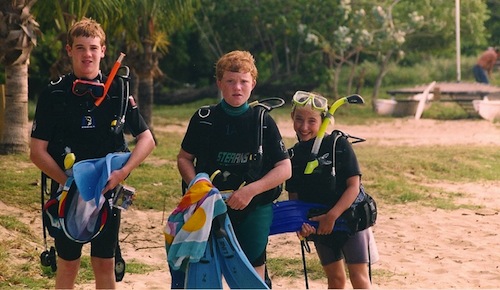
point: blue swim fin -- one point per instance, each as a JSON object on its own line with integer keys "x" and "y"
{"x": 237, "y": 270}
{"x": 205, "y": 274}
{"x": 289, "y": 215}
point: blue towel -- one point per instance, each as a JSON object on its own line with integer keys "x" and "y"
{"x": 91, "y": 175}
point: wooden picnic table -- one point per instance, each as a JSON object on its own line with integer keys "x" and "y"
{"x": 463, "y": 93}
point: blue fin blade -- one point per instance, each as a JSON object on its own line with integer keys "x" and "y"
{"x": 205, "y": 274}
{"x": 289, "y": 215}
{"x": 237, "y": 270}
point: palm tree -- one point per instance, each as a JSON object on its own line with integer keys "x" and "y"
{"x": 18, "y": 36}
{"x": 60, "y": 15}
{"x": 149, "y": 26}
{"x": 144, "y": 25}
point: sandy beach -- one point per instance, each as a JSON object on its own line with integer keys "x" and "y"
{"x": 419, "y": 247}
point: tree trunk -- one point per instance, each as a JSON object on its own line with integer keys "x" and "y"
{"x": 145, "y": 77}
{"x": 337, "y": 70}
{"x": 15, "y": 138}
{"x": 134, "y": 85}
{"x": 352, "y": 72}
{"x": 146, "y": 98}
{"x": 382, "y": 71}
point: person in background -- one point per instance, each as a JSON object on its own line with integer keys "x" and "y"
{"x": 68, "y": 119}
{"x": 232, "y": 133}
{"x": 483, "y": 68}
{"x": 309, "y": 110}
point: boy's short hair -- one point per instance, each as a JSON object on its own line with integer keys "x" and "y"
{"x": 236, "y": 61}
{"x": 86, "y": 27}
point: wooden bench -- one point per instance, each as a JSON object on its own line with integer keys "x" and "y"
{"x": 461, "y": 93}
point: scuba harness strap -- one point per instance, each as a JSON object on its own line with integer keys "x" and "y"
{"x": 339, "y": 134}
{"x": 255, "y": 164}
{"x": 261, "y": 107}
{"x": 48, "y": 256}
{"x": 64, "y": 107}
{"x": 123, "y": 80}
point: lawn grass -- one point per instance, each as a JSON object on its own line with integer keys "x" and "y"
{"x": 392, "y": 175}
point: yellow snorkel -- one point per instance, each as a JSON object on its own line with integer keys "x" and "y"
{"x": 313, "y": 163}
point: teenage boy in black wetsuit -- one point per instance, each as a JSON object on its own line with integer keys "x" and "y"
{"x": 66, "y": 119}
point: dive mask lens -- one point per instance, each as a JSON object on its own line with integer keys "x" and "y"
{"x": 82, "y": 87}
{"x": 318, "y": 102}
{"x": 301, "y": 97}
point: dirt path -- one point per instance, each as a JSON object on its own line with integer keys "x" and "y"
{"x": 405, "y": 131}
{"x": 419, "y": 247}
{"x": 419, "y": 132}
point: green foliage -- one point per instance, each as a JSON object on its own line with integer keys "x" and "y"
{"x": 62, "y": 14}
{"x": 187, "y": 63}
{"x": 31, "y": 109}
{"x": 445, "y": 111}
{"x": 295, "y": 42}
{"x": 42, "y": 58}
{"x": 437, "y": 33}
{"x": 422, "y": 72}
{"x": 493, "y": 23}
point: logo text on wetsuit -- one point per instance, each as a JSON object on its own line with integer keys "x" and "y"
{"x": 232, "y": 157}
